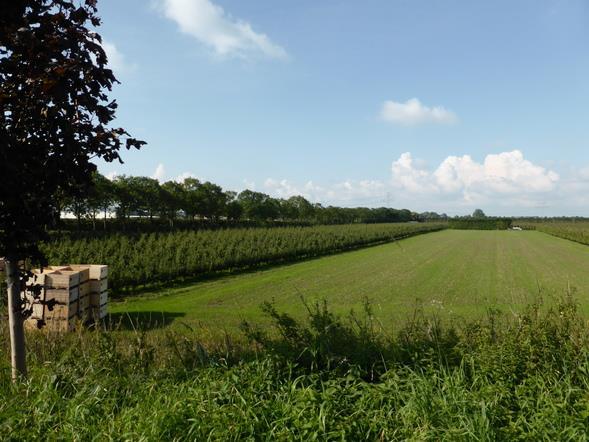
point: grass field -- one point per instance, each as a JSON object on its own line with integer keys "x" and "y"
{"x": 515, "y": 377}
{"x": 456, "y": 273}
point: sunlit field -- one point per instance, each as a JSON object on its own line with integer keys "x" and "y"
{"x": 453, "y": 273}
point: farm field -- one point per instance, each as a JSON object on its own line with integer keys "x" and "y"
{"x": 456, "y": 273}
{"x": 158, "y": 258}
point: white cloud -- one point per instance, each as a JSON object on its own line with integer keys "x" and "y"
{"x": 283, "y": 189}
{"x": 583, "y": 174}
{"x": 211, "y": 25}
{"x": 409, "y": 176}
{"x": 507, "y": 174}
{"x": 360, "y": 193}
{"x": 412, "y": 112}
{"x": 116, "y": 60}
{"x": 503, "y": 173}
{"x": 160, "y": 172}
{"x": 505, "y": 182}
{"x": 349, "y": 192}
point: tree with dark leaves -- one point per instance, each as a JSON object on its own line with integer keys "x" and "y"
{"x": 54, "y": 120}
{"x": 478, "y": 214}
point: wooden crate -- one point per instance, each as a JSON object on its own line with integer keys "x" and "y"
{"x": 98, "y": 286}
{"x": 84, "y": 271}
{"x": 97, "y": 299}
{"x": 51, "y": 277}
{"x": 84, "y": 315}
{"x": 38, "y": 311}
{"x": 84, "y": 288}
{"x": 96, "y": 271}
{"x": 62, "y": 279}
{"x": 80, "y": 293}
{"x": 98, "y": 312}
{"x": 84, "y": 308}
{"x": 62, "y": 296}
{"x": 61, "y": 311}
{"x": 56, "y": 279}
{"x": 37, "y": 278}
{"x": 84, "y": 302}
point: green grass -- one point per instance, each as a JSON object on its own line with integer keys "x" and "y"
{"x": 324, "y": 378}
{"x": 459, "y": 274}
{"x": 320, "y": 376}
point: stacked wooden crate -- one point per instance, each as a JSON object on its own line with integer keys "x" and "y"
{"x": 79, "y": 294}
{"x": 60, "y": 285}
{"x": 83, "y": 313}
{"x": 97, "y": 290}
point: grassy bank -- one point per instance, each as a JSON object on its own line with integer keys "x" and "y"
{"x": 504, "y": 377}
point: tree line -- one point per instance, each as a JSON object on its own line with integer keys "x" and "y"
{"x": 132, "y": 197}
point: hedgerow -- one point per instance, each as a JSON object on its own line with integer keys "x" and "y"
{"x": 480, "y": 224}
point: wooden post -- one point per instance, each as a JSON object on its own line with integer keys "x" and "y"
{"x": 15, "y": 321}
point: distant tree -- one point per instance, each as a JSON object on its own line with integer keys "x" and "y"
{"x": 192, "y": 204}
{"x": 78, "y": 206}
{"x": 137, "y": 195}
{"x": 287, "y": 210}
{"x": 101, "y": 198}
{"x": 147, "y": 194}
{"x": 233, "y": 209}
{"x": 98, "y": 197}
{"x": 431, "y": 216}
{"x": 54, "y": 117}
{"x": 213, "y": 200}
{"x": 298, "y": 208}
{"x": 258, "y": 206}
{"x": 478, "y": 214}
{"x": 172, "y": 197}
{"x": 124, "y": 202}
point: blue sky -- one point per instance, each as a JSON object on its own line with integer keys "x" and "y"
{"x": 428, "y": 105}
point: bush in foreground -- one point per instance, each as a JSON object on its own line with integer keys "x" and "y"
{"x": 328, "y": 378}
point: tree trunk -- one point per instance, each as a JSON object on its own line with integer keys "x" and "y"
{"x": 15, "y": 321}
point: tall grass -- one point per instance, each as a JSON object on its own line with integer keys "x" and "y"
{"x": 523, "y": 377}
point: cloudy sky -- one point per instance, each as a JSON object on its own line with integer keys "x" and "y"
{"x": 428, "y": 105}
